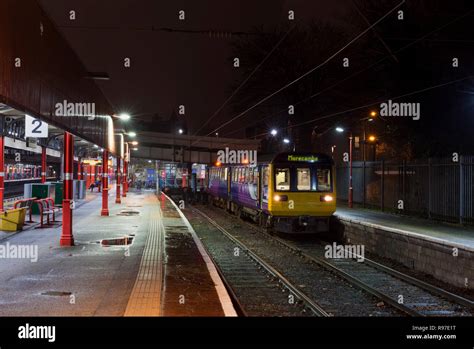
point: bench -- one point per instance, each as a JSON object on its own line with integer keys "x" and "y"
{"x": 27, "y": 204}
{"x": 46, "y": 207}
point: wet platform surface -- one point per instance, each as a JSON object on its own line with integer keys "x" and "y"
{"x": 192, "y": 285}
{"x": 146, "y": 277}
{"x": 448, "y": 234}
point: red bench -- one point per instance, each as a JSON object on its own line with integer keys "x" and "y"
{"x": 25, "y": 203}
{"x": 46, "y": 208}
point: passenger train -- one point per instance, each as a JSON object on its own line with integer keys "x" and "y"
{"x": 290, "y": 193}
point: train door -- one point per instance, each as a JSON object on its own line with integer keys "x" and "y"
{"x": 259, "y": 185}
{"x": 228, "y": 178}
{"x": 264, "y": 180}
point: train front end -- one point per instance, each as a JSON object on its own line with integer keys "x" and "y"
{"x": 301, "y": 193}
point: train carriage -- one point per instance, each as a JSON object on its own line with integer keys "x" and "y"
{"x": 292, "y": 193}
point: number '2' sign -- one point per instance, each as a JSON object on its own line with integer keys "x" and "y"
{"x": 35, "y": 127}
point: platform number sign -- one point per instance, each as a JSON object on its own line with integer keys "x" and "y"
{"x": 35, "y": 127}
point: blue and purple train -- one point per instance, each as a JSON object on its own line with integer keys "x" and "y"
{"x": 291, "y": 193}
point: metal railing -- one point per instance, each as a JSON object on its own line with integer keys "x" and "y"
{"x": 440, "y": 189}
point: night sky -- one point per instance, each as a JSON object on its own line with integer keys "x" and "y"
{"x": 169, "y": 69}
{"x": 173, "y": 68}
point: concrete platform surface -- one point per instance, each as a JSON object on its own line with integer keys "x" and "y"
{"x": 447, "y": 234}
{"x": 92, "y": 279}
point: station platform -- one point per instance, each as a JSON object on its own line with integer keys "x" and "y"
{"x": 444, "y": 251}
{"x": 443, "y": 233}
{"x": 144, "y": 259}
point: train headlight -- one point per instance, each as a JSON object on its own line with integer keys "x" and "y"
{"x": 326, "y": 198}
{"x": 280, "y": 198}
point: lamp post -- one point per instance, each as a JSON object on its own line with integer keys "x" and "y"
{"x": 350, "y": 199}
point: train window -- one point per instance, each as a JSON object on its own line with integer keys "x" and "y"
{"x": 255, "y": 175}
{"x": 324, "y": 179}
{"x": 241, "y": 177}
{"x": 225, "y": 174}
{"x": 282, "y": 178}
{"x": 303, "y": 179}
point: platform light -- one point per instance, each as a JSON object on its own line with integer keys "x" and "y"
{"x": 124, "y": 116}
{"x": 273, "y": 132}
{"x": 149, "y": 161}
{"x": 132, "y": 134}
{"x": 286, "y": 141}
{"x": 339, "y": 129}
{"x": 217, "y": 134}
{"x": 134, "y": 149}
{"x": 96, "y": 146}
{"x": 218, "y": 163}
{"x": 373, "y": 114}
{"x": 372, "y": 138}
{"x": 134, "y": 143}
{"x": 180, "y": 131}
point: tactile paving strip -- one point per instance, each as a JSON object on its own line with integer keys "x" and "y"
{"x": 145, "y": 299}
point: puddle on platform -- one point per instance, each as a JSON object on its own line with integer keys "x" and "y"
{"x": 56, "y": 293}
{"x": 128, "y": 213}
{"x": 126, "y": 240}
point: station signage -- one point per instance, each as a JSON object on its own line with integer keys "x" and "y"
{"x": 35, "y": 128}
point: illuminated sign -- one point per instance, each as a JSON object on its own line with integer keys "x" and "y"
{"x": 91, "y": 162}
{"x": 303, "y": 158}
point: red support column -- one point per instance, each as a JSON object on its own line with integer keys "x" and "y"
{"x": 125, "y": 178}
{"x": 67, "y": 238}
{"x": 105, "y": 184}
{"x": 117, "y": 198}
{"x": 351, "y": 191}
{"x": 2, "y": 170}
{"x": 44, "y": 170}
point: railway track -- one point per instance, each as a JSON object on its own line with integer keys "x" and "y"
{"x": 259, "y": 289}
{"x": 314, "y": 288}
{"x": 408, "y": 295}
{"x": 413, "y": 296}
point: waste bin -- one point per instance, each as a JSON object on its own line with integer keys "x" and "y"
{"x": 27, "y": 190}
{"x": 81, "y": 189}
{"x": 58, "y": 197}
